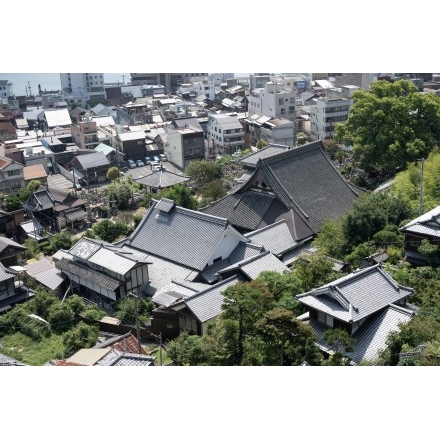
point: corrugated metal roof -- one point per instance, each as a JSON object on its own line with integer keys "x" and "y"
{"x": 51, "y": 278}
{"x": 91, "y": 160}
{"x": 88, "y": 356}
{"x": 113, "y": 261}
{"x": 57, "y": 118}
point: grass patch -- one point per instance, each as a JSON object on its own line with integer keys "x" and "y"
{"x": 153, "y": 350}
{"x": 30, "y": 352}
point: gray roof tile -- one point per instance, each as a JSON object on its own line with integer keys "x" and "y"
{"x": 181, "y": 235}
{"x": 357, "y": 295}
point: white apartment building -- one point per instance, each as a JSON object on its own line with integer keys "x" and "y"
{"x": 204, "y": 88}
{"x": 5, "y": 88}
{"x": 82, "y": 87}
{"x": 327, "y": 113}
{"x": 225, "y": 133}
{"x": 273, "y": 100}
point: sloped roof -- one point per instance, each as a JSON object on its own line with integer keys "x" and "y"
{"x": 57, "y": 118}
{"x": 372, "y": 336}
{"x": 162, "y": 179}
{"x": 103, "y": 148}
{"x": 275, "y": 237}
{"x": 207, "y": 304}
{"x": 427, "y": 224}
{"x": 31, "y": 172}
{"x": 357, "y": 295}
{"x": 253, "y": 158}
{"x": 118, "y": 358}
{"x": 253, "y": 266}
{"x": 92, "y": 160}
{"x": 181, "y": 235}
{"x": 39, "y": 200}
{"x": 6, "y": 242}
{"x": 6, "y": 361}
{"x": 242, "y": 252}
{"x": 88, "y": 356}
{"x": 304, "y": 179}
{"x": 126, "y": 343}
{"x": 4, "y": 273}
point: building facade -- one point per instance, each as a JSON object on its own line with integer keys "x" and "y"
{"x": 82, "y": 87}
{"x": 226, "y": 133}
{"x": 327, "y": 113}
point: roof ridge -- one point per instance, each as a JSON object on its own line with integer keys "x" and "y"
{"x": 265, "y": 228}
{"x": 214, "y": 286}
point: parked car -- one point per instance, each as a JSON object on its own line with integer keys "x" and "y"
{"x": 156, "y": 167}
{"x": 156, "y": 158}
{"x": 139, "y": 163}
{"x": 147, "y": 160}
{"x": 162, "y": 157}
{"x": 131, "y": 163}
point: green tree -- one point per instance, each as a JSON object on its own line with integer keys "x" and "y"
{"x": 284, "y": 287}
{"x": 121, "y": 191}
{"x": 359, "y": 253}
{"x": 429, "y": 250}
{"x": 314, "y": 270}
{"x": 182, "y": 196}
{"x": 341, "y": 343}
{"x": 109, "y": 231}
{"x": 243, "y": 303}
{"x": 390, "y": 125}
{"x": 261, "y": 143}
{"x": 61, "y": 240}
{"x": 203, "y": 171}
{"x": 80, "y": 336}
{"x": 330, "y": 239}
{"x": 60, "y": 317}
{"x": 126, "y": 310}
{"x": 212, "y": 191}
{"x": 187, "y": 349}
{"x": 112, "y": 173}
{"x": 301, "y": 138}
{"x": 280, "y": 330}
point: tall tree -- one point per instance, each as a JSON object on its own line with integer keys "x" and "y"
{"x": 390, "y": 125}
{"x": 243, "y": 303}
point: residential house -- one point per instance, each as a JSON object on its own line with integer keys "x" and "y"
{"x": 53, "y": 209}
{"x": 424, "y": 227}
{"x": 35, "y": 172}
{"x": 9, "y": 294}
{"x": 299, "y": 185}
{"x": 192, "y": 314}
{"x": 11, "y": 252}
{"x": 30, "y": 229}
{"x": 85, "y": 133}
{"x": 9, "y": 222}
{"x": 112, "y": 154}
{"x": 47, "y": 276}
{"x": 273, "y": 130}
{"x": 91, "y": 168}
{"x": 368, "y": 304}
{"x": 104, "y": 272}
{"x": 185, "y": 142}
{"x": 56, "y": 118}
{"x": 226, "y": 133}
{"x": 132, "y": 144}
{"x": 7, "y": 129}
{"x": 11, "y": 176}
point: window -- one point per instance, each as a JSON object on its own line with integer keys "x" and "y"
{"x": 327, "y": 320}
{"x": 13, "y": 173}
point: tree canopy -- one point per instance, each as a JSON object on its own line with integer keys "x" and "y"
{"x": 390, "y": 125}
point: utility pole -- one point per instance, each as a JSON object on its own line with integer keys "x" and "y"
{"x": 421, "y": 188}
{"x": 136, "y": 312}
{"x": 160, "y": 348}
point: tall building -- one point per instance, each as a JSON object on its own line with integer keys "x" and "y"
{"x": 82, "y": 87}
{"x": 171, "y": 81}
{"x": 362, "y": 80}
{"x": 273, "y": 100}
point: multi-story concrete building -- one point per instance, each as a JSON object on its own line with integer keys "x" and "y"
{"x": 185, "y": 142}
{"x": 362, "y": 80}
{"x": 171, "y": 81}
{"x": 258, "y": 80}
{"x": 226, "y": 133}
{"x": 5, "y": 88}
{"x": 273, "y": 100}
{"x": 82, "y": 87}
{"x": 85, "y": 133}
{"x": 326, "y": 114}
